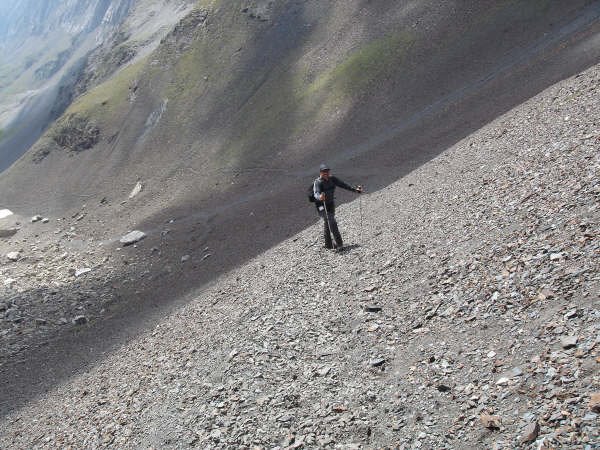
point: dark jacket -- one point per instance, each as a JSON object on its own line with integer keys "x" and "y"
{"x": 327, "y": 187}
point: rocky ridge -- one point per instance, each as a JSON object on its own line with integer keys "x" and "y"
{"x": 463, "y": 314}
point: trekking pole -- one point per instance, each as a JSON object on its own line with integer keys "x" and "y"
{"x": 327, "y": 217}
{"x": 361, "y": 218}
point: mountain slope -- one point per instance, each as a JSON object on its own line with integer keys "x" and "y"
{"x": 238, "y": 93}
{"x": 52, "y": 51}
{"x": 453, "y": 305}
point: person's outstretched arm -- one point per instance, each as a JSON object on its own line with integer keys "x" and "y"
{"x": 340, "y": 183}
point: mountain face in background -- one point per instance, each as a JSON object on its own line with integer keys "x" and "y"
{"x": 49, "y": 47}
{"x": 27, "y": 19}
{"x": 202, "y": 101}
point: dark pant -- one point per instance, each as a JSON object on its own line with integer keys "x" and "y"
{"x": 330, "y": 222}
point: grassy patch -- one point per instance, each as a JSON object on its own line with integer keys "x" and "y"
{"x": 293, "y": 101}
{"x": 376, "y": 61}
{"x": 109, "y": 100}
{"x": 208, "y": 4}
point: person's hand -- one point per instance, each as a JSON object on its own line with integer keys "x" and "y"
{"x": 322, "y": 197}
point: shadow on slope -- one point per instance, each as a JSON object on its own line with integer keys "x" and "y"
{"x": 261, "y": 207}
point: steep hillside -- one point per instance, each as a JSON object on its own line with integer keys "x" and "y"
{"x": 465, "y": 314}
{"x": 240, "y": 91}
{"x": 205, "y": 138}
{"x": 51, "y": 51}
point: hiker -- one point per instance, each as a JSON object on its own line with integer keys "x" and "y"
{"x": 323, "y": 192}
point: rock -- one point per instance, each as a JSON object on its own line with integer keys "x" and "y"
{"x": 569, "y": 342}
{"x": 516, "y": 372}
{"x": 323, "y": 371}
{"x": 377, "y": 362}
{"x": 185, "y": 258}
{"x": 132, "y": 237}
{"x": 9, "y": 282}
{"x": 491, "y": 422}
{"x": 35, "y": 219}
{"x": 5, "y": 213}
{"x": 595, "y": 402}
{"x": 79, "y": 320}
{"x": 45, "y": 220}
{"x": 8, "y": 232}
{"x": 136, "y": 190}
{"x": 530, "y": 433}
{"x": 82, "y": 271}
{"x": 491, "y": 354}
{"x": 372, "y": 308}
{"x": 13, "y": 256}
{"x": 503, "y": 381}
{"x": 443, "y": 388}
{"x": 571, "y": 314}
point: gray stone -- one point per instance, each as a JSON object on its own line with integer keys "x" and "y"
{"x": 516, "y": 372}
{"x": 13, "y": 256}
{"x": 571, "y": 314}
{"x": 35, "y": 219}
{"x": 5, "y": 213}
{"x": 132, "y": 237}
{"x": 82, "y": 271}
{"x": 568, "y": 342}
{"x": 79, "y": 320}
{"x": 377, "y": 362}
{"x": 502, "y": 381}
{"x": 530, "y": 433}
{"x": 136, "y": 190}
{"x": 323, "y": 371}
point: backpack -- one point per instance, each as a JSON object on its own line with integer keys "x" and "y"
{"x": 311, "y": 193}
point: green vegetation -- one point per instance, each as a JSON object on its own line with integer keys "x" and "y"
{"x": 208, "y": 4}
{"x": 373, "y": 63}
{"x": 298, "y": 101}
{"x": 109, "y": 100}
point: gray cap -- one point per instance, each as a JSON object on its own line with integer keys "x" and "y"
{"x": 323, "y": 167}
